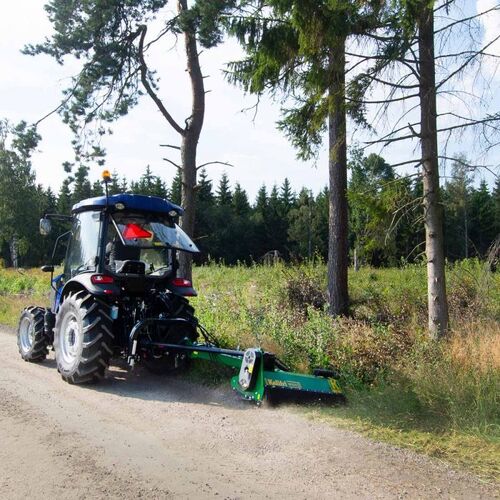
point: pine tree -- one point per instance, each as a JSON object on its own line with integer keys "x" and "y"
{"x": 300, "y": 230}
{"x": 19, "y": 196}
{"x": 176, "y": 188}
{"x": 298, "y": 48}
{"x": 64, "y": 198}
{"x": 496, "y": 201}
{"x": 146, "y": 182}
{"x": 276, "y": 222}
{"x": 287, "y": 196}
{"x": 82, "y": 188}
{"x": 223, "y": 194}
{"x": 204, "y": 192}
{"x": 97, "y": 188}
{"x": 457, "y": 209}
{"x": 205, "y": 223}
{"x": 114, "y": 185}
{"x": 159, "y": 188}
{"x": 109, "y": 39}
{"x": 123, "y": 187}
{"x": 261, "y": 203}
{"x": 240, "y": 204}
{"x": 482, "y": 219}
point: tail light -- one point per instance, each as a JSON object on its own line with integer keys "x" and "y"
{"x": 182, "y": 283}
{"x": 185, "y": 285}
{"x": 101, "y": 279}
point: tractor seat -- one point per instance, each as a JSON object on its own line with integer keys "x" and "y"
{"x": 131, "y": 267}
{"x": 124, "y": 259}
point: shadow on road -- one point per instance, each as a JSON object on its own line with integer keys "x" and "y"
{"x": 141, "y": 384}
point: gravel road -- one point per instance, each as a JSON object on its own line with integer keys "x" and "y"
{"x": 137, "y": 435}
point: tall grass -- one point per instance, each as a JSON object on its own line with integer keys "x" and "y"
{"x": 401, "y": 386}
{"x": 441, "y": 398}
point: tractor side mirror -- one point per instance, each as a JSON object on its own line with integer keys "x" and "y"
{"x": 45, "y": 226}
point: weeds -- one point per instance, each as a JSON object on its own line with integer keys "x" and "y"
{"x": 442, "y": 399}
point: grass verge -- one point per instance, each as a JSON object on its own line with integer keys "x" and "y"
{"x": 438, "y": 399}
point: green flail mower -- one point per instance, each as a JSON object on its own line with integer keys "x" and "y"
{"x": 260, "y": 375}
{"x": 120, "y": 296}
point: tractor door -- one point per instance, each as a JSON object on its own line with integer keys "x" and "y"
{"x": 83, "y": 249}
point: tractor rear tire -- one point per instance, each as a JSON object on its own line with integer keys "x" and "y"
{"x": 83, "y": 338}
{"x": 31, "y": 339}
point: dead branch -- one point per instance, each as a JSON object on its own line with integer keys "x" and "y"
{"x": 464, "y": 20}
{"x": 466, "y": 63}
{"x": 227, "y": 164}
{"x": 149, "y": 88}
{"x": 173, "y": 163}
{"x": 468, "y": 165}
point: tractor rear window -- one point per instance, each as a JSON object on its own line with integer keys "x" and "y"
{"x": 149, "y": 231}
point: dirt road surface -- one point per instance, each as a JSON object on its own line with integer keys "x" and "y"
{"x": 136, "y": 435}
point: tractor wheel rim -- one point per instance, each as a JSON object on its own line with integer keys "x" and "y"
{"x": 71, "y": 333}
{"x": 26, "y": 334}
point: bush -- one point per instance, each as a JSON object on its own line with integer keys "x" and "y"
{"x": 303, "y": 291}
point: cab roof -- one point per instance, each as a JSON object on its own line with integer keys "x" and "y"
{"x": 138, "y": 202}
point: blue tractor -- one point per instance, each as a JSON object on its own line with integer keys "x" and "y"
{"x": 120, "y": 270}
{"x": 120, "y": 295}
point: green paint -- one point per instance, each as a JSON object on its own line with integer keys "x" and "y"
{"x": 268, "y": 379}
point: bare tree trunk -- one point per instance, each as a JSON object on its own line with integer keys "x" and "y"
{"x": 14, "y": 251}
{"x": 188, "y": 158}
{"x": 466, "y": 228}
{"x": 436, "y": 284}
{"x": 337, "y": 163}
{"x": 190, "y": 139}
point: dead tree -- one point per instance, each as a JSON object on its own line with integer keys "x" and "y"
{"x": 414, "y": 64}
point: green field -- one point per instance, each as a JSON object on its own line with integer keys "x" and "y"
{"x": 439, "y": 399}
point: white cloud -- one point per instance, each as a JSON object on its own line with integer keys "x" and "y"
{"x": 491, "y": 30}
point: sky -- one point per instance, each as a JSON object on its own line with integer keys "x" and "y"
{"x": 30, "y": 87}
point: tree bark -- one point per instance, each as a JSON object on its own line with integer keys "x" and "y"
{"x": 14, "y": 251}
{"x": 189, "y": 143}
{"x": 337, "y": 164}
{"x": 436, "y": 284}
{"x": 466, "y": 227}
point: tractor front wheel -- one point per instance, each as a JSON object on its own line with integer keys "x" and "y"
{"x": 31, "y": 338}
{"x": 83, "y": 338}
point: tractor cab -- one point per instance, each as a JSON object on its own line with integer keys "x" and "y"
{"x": 123, "y": 244}
{"x": 119, "y": 277}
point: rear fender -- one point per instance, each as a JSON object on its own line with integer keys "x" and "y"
{"x": 83, "y": 282}
{"x": 183, "y": 291}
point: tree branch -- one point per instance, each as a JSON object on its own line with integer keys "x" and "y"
{"x": 386, "y": 101}
{"x": 173, "y": 163}
{"x": 471, "y": 123}
{"x": 466, "y": 63}
{"x": 63, "y": 103}
{"x": 470, "y": 18}
{"x": 464, "y": 53}
{"x": 468, "y": 165}
{"x": 394, "y": 85}
{"x": 227, "y": 164}
{"x": 149, "y": 88}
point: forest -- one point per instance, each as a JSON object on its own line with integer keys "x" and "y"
{"x": 385, "y": 212}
